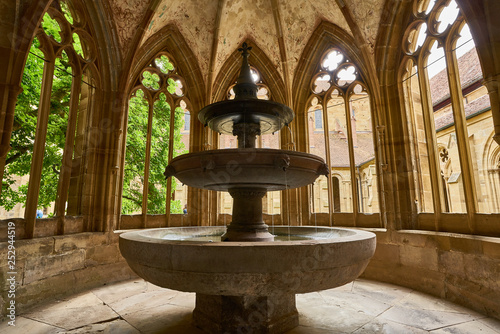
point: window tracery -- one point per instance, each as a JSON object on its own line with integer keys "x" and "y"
{"x": 56, "y": 100}
{"x": 340, "y": 98}
{"x": 156, "y": 131}
{"x": 440, "y": 80}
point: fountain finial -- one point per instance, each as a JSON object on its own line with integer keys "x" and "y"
{"x": 245, "y": 87}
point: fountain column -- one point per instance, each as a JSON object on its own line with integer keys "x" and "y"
{"x": 247, "y": 223}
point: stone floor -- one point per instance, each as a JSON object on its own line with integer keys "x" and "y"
{"x": 359, "y": 307}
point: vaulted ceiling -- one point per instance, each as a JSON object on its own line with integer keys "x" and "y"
{"x": 214, "y": 29}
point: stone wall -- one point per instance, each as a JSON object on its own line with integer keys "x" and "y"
{"x": 54, "y": 267}
{"x": 464, "y": 269}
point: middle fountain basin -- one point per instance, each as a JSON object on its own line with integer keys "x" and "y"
{"x": 268, "y": 169}
{"x": 323, "y": 258}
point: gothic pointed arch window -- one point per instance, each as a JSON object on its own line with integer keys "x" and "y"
{"x": 447, "y": 110}
{"x": 271, "y": 202}
{"x": 45, "y": 168}
{"x": 340, "y": 103}
{"x": 156, "y": 133}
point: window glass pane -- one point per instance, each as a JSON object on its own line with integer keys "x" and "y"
{"x": 420, "y": 157}
{"x": 364, "y": 152}
{"x": 316, "y": 135}
{"x": 56, "y": 134}
{"x": 181, "y": 146}
{"x": 18, "y": 160}
{"x": 319, "y": 194}
{"x": 135, "y": 154}
{"x": 339, "y": 152}
{"x": 77, "y": 175}
{"x": 160, "y": 131}
{"x": 451, "y": 176}
{"x": 477, "y": 110}
{"x": 319, "y": 189}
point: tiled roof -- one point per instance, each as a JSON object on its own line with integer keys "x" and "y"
{"x": 470, "y": 72}
{"x": 339, "y": 151}
{"x": 471, "y": 108}
{"x": 469, "y": 69}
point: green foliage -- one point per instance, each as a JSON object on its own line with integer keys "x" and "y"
{"x": 135, "y": 155}
{"x": 150, "y": 80}
{"x": 51, "y": 27}
{"x": 164, "y": 64}
{"x": 18, "y": 162}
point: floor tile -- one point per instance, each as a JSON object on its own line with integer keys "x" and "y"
{"x": 25, "y": 325}
{"x": 425, "y": 319}
{"x": 116, "y": 292}
{"x": 371, "y": 307}
{"x": 74, "y": 312}
{"x": 334, "y": 318}
{"x": 143, "y": 300}
{"x": 113, "y": 327}
{"x": 163, "y": 319}
{"x": 419, "y": 300}
{"x": 387, "y": 327}
{"x": 471, "y": 327}
{"x": 138, "y": 307}
{"x": 386, "y": 293}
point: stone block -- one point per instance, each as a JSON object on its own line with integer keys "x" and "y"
{"x": 387, "y": 253}
{"x": 38, "y": 268}
{"x": 44, "y": 290}
{"x": 65, "y": 243}
{"x": 27, "y": 248}
{"x": 466, "y": 244}
{"x": 99, "y": 275}
{"x": 473, "y": 295}
{"x": 419, "y": 257}
{"x": 491, "y": 249}
{"x": 6, "y": 272}
{"x": 410, "y": 238}
{"x": 452, "y": 263}
{"x": 102, "y": 255}
{"x": 482, "y": 270}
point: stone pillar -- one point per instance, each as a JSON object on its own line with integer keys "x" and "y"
{"x": 245, "y": 314}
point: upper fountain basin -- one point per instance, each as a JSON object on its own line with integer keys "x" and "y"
{"x": 270, "y": 115}
{"x": 247, "y": 167}
{"x": 325, "y": 258}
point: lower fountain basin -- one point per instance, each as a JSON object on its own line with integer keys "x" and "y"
{"x": 268, "y": 169}
{"x": 176, "y": 258}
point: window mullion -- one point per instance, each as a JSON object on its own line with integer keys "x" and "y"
{"x": 39, "y": 149}
{"x": 462, "y": 136}
{"x": 430, "y": 134}
{"x": 66, "y": 167}
{"x": 352, "y": 161}
{"x": 145, "y": 186}
{"x": 170, "y": 157}
{"x": 326, "y": 130}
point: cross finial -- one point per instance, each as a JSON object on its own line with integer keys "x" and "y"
{"x": 244, "y": 49}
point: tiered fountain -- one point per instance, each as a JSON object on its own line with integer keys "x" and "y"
{"x": 245, "y": 280}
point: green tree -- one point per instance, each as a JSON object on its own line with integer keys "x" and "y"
{"x": 135, "y": 155}
{"x": 18, "y": 161}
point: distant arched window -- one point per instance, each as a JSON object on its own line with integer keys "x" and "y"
{"x": 49, "y": 139}
{"x": 156, "y": 133}
{"x": 341, "y": 133}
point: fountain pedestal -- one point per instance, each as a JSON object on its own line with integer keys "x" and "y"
{"x": 245, "y": 314}
{"x": 247, "y": 223}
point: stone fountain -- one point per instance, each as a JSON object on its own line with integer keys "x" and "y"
{"x": 245, "y": 280}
